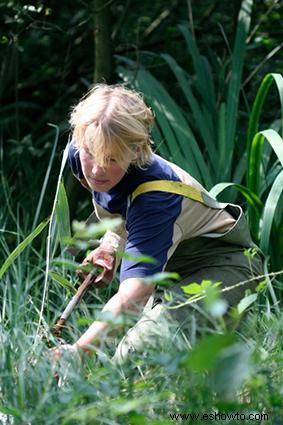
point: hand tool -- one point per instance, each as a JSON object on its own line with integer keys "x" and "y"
{"x": 83, "y": 288}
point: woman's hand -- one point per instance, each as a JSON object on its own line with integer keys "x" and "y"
{"x": 64, "y": 360}
{"x": 103, "y": 256}
{"x": 55, "y": 353}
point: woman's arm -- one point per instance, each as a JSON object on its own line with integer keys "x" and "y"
{"x": 131, "y": 297}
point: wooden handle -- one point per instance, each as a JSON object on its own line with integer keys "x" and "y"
{"x": 57, "y": 329}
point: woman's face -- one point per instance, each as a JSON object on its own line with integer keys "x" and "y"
{"x": 100, "y": 179}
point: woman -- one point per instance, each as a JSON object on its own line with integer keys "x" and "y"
{"x": 165, "y": 212}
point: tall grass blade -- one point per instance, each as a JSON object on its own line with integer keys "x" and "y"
{"x": 276, "y": 143}
{"x": 254, "y": 169}
{"x": 251, "y": 197}
{"x": 46, "y": 178}
{"x": 195, "y": 106}
{"x": 270, "y": 207}
{"x": 62, "y": 215}
{"x": 20, "y": 248}
{"x": 255, "y": 140}
{"x": 204, "y": 81}
{"x": 270, "y": 287}
{"x": 258, "y": 104}
{"x": 62, "y": 281}
{"x": 159, "y": 141}
{"x": 234, "y": 88}
{"x": 222, "y": 135}
{"x": 49, "y": 238}
{"x": 273, "y": 172}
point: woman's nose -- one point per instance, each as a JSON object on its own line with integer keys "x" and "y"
{"x": 97, "y": 169}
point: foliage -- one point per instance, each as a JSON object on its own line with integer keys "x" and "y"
{"x": 224, "y": 372}
{"x": 48, "y": 64}
{"x": 271, "y": 172}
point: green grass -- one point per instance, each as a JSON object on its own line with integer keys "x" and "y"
{"x": 216, "y": 370}
{"x": 238, "y": 371}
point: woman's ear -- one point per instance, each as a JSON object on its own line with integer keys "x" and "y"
{"x": 137, "y": 151}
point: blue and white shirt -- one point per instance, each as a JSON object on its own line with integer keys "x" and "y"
{"x": 154, "y": 223}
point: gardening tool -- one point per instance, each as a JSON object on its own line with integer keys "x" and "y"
{"x": 83, "y": 288}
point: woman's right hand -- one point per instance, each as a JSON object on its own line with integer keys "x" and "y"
{"x": 103, "y": 256}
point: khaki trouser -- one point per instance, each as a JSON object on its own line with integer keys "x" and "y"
{"x": 160, "y": 327}
{"x": 153, "y": 330}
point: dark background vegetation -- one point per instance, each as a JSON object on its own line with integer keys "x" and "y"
{"x": 48, "y": 62}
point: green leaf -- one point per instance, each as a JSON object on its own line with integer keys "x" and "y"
{"x": 258, "y": 106}
{"x": 61, "y": 280}
{"x": 261, "y": 286}
{"x": 255, "y": 140}
{"x": 276, "y": 142}
{"x": 20, "y": 248}
{"x": 84, "y": 321}
{"x": 231, "y": 370}
{"x": 207, "y": 284}
{"x": 51, "y": 240}
{"x": 84, "y": 231}
{"x": 168, "y": 296}
{"x": 251, "y": 197}
{"x": 196, "y": 108}
{"x": 13, "y": 411}
{"x": 204, "y": 75}
{"x": 221, "y": 141}
{"x": 62, "y": 215}
{"x": 67, "y": 264}
{"x": 161, "y": 278}
{"x": 123, "y": 406}
{"x": 139, "y": 258}
{"x": 205, "y": 354}
{"x": 246, "y": 302}
{"x": 47, "y": 176}
{"x": 192, "y": 288}
{"x": 271, "y": 204}
{"x": 234, "y": 88}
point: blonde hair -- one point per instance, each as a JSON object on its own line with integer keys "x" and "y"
{"x": 113, "y": 122}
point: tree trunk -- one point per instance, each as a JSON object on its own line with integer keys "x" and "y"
{"x": 103, "y": 62}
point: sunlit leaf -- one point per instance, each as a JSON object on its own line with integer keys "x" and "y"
{"x": 261, "y": 286}
{"x": 192, "y": 288}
